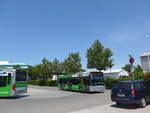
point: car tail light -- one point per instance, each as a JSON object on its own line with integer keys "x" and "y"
{"x": 133, "y": 91}
{"x": 14, "y": 87}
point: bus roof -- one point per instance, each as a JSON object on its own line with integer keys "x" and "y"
{"x": 82, "y": 74}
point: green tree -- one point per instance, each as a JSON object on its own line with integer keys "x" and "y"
{"x": 138, "y": 69}
{"x": 147, "y": 76}
{"x": 36, "y": 71}
{"x": 72, "y": 64}
{"x": 42, "y": 71}
{"x": 127, "y": 67}
{"x": 17, "y": 67}
{"x": 138, "y": 72}
{"x": 45, "y": 69}
{"x": 83, "y": 70}
{"x": 56, "y": 67}
{"x": 99, "y": 57}
{"x": 31, "y": 73}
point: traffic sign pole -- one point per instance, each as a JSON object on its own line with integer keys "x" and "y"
{"x": 131, "y": 61}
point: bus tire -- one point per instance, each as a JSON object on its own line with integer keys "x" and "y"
{"x": 87, "y": 90}
{"x": 63, "y": 86}
{"x": 80, "y": 88}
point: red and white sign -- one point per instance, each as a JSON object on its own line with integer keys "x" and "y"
{"x": 131, "y": 60}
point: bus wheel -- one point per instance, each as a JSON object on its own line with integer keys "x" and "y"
{"x": 87, "y": 90}
{"x": 63, "y": 86}
{"x": 80, "y": 89}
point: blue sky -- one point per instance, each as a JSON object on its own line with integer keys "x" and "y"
{"x": 33, "y": 29}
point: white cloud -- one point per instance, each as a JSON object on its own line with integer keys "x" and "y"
{"x": 130, "y": 32}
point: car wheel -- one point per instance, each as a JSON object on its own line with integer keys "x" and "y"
{"x": 143, "y": 102}
{"x": 118, "y": 103}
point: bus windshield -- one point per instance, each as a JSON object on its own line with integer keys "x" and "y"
{"x": 21, "y": 75}
{"x": 97, "y": 79}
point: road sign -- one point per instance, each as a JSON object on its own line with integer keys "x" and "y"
{"x": 131, "y": 60}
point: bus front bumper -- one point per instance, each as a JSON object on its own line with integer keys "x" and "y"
{"x": 96, "y": 88}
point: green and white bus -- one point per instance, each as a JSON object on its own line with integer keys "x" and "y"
{"x": 83, "y": 82}
{"x": 12, "y": 81}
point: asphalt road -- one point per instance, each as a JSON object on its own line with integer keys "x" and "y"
{"x": 53, "y": 100}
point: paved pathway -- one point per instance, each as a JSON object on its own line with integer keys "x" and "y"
{"x": 112, "y": 108}
{"x": 35, "y": 92}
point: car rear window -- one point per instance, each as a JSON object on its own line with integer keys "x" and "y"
{"x": 122, "y": 85}
{"x": 142, "y": 85}
{"x": 138, "y": 85}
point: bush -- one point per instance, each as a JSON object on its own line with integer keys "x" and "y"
{"x": 147, "y": 76}
{"x": 34, "y": 82}
{"x": 51, "y": 83}
{"x": 138, "y": 75}
{"x": 109, "y": 82}
{"x": 43, "y": 82}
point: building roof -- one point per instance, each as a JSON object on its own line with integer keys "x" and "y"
{"x": 112, "y": 71}
{"x": 92, "y": 70}
{"x": 147, "y": 53}
{"x": 7, "y": 64}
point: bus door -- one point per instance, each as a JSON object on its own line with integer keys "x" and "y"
{"x": 5, "y": 84}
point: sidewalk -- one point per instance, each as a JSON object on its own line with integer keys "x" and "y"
{"x": 112, "y": 108}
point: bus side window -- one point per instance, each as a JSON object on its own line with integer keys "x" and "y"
{"x": 9, "y": 78}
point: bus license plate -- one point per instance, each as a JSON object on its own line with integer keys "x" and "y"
{"x": 121, "y": 95}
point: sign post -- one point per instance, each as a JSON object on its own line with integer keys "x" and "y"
{"x": 131, "y": 61}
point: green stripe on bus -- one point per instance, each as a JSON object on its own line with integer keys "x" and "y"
{"x": 5, "y": 91}
{"x": 21, "y": 84}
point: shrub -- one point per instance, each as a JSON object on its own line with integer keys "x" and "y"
{"x": 43, "y": 82}
{"x": 109, "y": 82}
{"x": 51, "y": 83}
{"x": 147, "y": 76}
{"x": 138, "y": 75}
{"x": 34, "y": 82}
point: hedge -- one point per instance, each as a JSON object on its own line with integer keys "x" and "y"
{"x": 109, "y": 82}
{"x": 43, "y": 82}
{"x": 147, "y": 76}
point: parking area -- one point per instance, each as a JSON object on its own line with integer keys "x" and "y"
{"x": 52, "y": 100}
{"x": 36, "y": 92}
{"x": 112, "y": 108}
